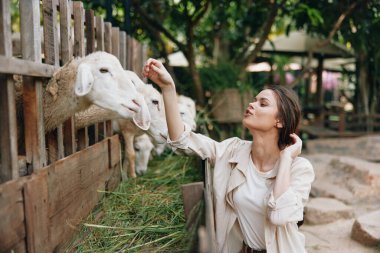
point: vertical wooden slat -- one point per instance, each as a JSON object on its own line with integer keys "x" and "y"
{"x": 115, "y": 42}
{"x": 32, "y": 89}
{"x": 90, "y": 31}
{"x": 37, "y": 217}
{"x": 108, "y": 37}
{"x": 51, "y": 50}
{"x": 8, "y": 132}
{"x": 78, "y": 29}
{"x": 79, "y": 51}
{"x": 100, "y": 47}
{"x": 122, "y": 49}
{"x": 90, "y": 39}
{"x": 99, "y": 33}
{"x": 131, "y": 51}
{"x": 66, "y": 55}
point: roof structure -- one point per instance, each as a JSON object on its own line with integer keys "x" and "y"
{"x": 301, "y": 43}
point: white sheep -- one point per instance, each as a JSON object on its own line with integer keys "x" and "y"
{"x": 96, "y": 79}
{"x": 158, "y": 129}
{"x": 186, "y": 107}
{"x": 143, "y": 147}
{"x": 190, "y": 103}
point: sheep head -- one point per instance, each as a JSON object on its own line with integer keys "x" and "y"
{"x": 187, "y": 116}
{"x": 103, "y": 81}
{"x": 158, "y": 129}
{"x": 143, "y": 147}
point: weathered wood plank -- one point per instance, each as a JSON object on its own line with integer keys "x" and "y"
{"x": 63, "y": 226}
{"x": 36, "y": 213}
{"x": 109, "y": 130}
{"x": 129, "y": 52}
{"x": 32, "y": 89}
{"x": 54, "y": 138}
{"x": 79, "y": 175}
{"x": 25, "y": 67}
{"x": 123, "y": 49}
{"x": 90, "y": 31}
{"x": 8, "y": 132}
{"x": 30, "y": 30}
{"x": 67, "y": 55}
{"x": 75, "y": 174}
{"x": 5, "y": 29}
{"x": 114, "y": 178}
{"x": 108, "y": 37}
{"x": 12, "y": 226}
{"x": 115, "y": 150}
{"x": 65, "y": 28}
{"x": 115, "y": 42}
{"x": 99, "y": 33}
{"x": 79, "y": 49}
{"x": 51, "y": 49}
{"x": 192, "y": 194}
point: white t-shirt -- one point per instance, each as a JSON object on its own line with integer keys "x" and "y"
{"x": 250, "y": 206}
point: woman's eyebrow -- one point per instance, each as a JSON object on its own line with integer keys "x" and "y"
{"x": 261, "y": 98}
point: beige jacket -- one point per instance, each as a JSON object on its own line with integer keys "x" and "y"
{"x": 230, "y": 161}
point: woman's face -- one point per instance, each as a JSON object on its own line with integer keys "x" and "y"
{"x": 261, "y": 114}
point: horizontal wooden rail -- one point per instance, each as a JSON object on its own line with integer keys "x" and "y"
{"x": 24, "y": 67}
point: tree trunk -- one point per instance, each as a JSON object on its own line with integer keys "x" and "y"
{"x": 363, "y": 84}
{"x": 197, "y": 84}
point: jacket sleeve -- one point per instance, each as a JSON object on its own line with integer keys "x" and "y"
{"x": 290, "y": 205}
{"x": 190, "y": 143}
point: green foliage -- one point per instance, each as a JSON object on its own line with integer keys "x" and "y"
{"x": 221, "y": 76}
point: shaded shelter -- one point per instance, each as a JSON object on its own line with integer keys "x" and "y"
{"x": 301, "y": 44}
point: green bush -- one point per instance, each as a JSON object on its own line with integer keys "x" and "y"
{"x": 221, "y": 76}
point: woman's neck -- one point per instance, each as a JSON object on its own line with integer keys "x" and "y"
{"x": 265, "y": 151}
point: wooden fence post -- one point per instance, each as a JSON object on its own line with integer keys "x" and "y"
{"x": 32, "y": 88}
{"x": 93, "y": 131}
{"x": 66, "y": 56}
{"x": 55, "y": 137}
{"x": 8, "y": 132}
{"x": 99, "y": 28}
{"x": 79, "y": 50}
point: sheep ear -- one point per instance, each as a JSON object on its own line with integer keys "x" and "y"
{"x": 84, "y": 80}
{"x": 142, "y": 118}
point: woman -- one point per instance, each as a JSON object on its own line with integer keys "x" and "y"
{"x": 260, "y": 186}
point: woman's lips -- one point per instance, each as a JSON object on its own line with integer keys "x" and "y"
{"x": 247, "y": 113}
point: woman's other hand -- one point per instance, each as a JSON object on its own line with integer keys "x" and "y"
{"x": 295, "y": 149}
{"x": 155, "y": 71}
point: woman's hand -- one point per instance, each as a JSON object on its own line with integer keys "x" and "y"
{"x": 295, "y": 149}
{"x": 156, "y": 72}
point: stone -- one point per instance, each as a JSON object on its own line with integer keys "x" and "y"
{"x": 326, "y": 210}
{"x": 366, "y": 229}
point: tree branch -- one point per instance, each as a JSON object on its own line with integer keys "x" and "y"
{"x": 265, "y": 32}
{"x": 338, "y": 24}
{"x": 154, "y": 24}
{"x": 200, "y": 13}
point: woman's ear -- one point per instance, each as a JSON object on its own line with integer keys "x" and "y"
{"x": 279, "y": 124}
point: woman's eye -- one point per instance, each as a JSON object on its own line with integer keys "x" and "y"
{"x": 103, "y": 70}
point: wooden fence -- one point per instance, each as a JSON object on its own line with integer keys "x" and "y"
{"x": 41, "y": 205}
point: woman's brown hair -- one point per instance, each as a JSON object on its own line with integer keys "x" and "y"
{"x": 289, "y": 113}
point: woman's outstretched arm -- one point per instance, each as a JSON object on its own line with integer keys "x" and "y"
{"x": 156, "y": 72}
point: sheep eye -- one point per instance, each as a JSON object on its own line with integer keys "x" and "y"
{"x": 103, "y": 70}
{"x": 155, "y": 102}
{"x": 182, "y": 113}
{"x": 137, "y": 149}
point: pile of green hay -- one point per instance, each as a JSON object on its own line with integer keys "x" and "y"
{"x": 143, "y": 214}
